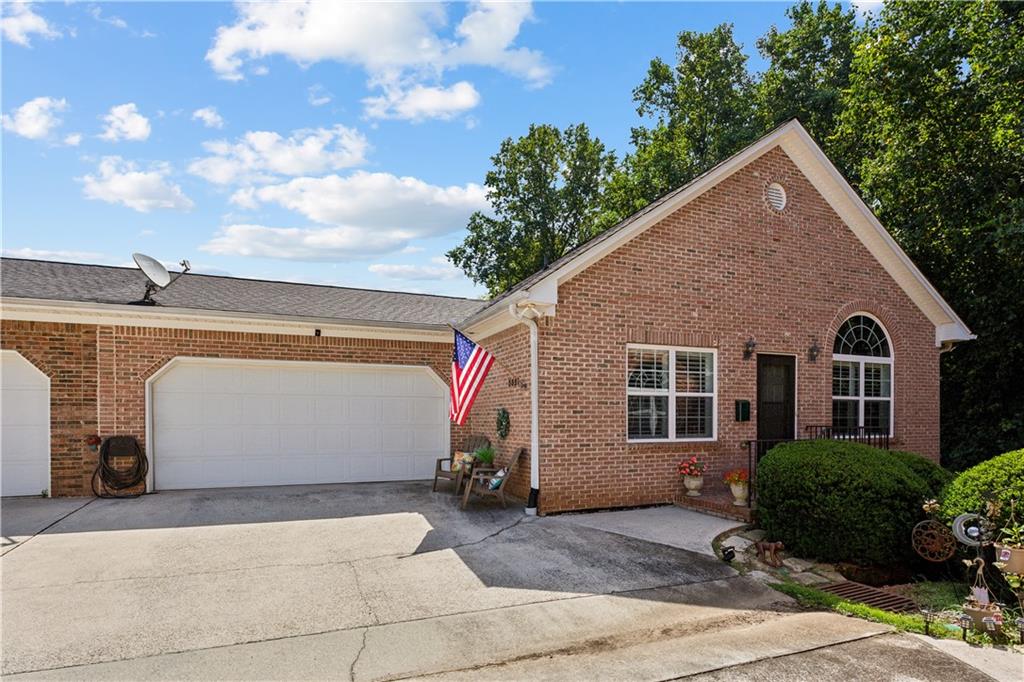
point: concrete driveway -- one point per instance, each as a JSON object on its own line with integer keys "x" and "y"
{"x": 362, "y": 581}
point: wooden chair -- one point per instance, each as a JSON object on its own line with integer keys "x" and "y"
{"x": 480, "y": 483}
{"x": 473, "y": 443}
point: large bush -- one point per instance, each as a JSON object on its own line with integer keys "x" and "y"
{"x": 839, "y": 501}
{"x": 1001, "y": 477}
{"x": 934, "y": 476}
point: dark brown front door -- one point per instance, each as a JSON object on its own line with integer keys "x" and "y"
{"x": 776, "y": 397}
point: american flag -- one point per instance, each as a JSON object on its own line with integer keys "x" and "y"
{"x": 470, "y": 364}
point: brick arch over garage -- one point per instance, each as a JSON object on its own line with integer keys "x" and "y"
{"x": 66, "y": 353}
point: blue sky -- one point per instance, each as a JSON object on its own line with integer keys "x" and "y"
{"x": 327, "y": 143}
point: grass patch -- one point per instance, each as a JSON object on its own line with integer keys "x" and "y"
{"x": 939, "y": 595}
{"x": 810, "y": 597}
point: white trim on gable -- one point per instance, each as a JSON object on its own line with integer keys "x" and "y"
{"x": 542, "y": 288}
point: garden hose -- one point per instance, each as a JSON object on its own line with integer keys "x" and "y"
{"x": 110, "y": 480}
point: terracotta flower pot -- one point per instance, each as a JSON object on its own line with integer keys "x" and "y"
{"x": 693, "y": 485}
{"x": 740, "y": 493}
{"x": 1012, "y": 559}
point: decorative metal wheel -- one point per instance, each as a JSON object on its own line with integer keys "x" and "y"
{"x": 933, "y": 541}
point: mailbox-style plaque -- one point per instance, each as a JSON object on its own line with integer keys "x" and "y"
{"x": 742, "y": 410}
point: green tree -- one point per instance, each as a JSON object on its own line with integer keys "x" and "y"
{"x": 809, "y": 67}
{"x": 544, "y": 190}
{"x": 699, "y": 112}
{"x": 933, "y": 130}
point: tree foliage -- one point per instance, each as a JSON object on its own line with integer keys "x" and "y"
{"x": 697, "y": 112}
{"x": 808, "y": 68}
{"x": 920, "y": 108}
{"x": 544, "y": 190}
{"x": 933, "y": 132}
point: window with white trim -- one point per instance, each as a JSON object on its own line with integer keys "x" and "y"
{"x": 862, "y": 378}
{"x": 671, "y": 393}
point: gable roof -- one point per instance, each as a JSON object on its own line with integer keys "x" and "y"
{"x": 103, "y": 284}
{"x": 542, "y": 286}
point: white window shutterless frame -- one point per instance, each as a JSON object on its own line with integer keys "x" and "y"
{"x": 862, "y": 384}
{"x": 671, "y": 394}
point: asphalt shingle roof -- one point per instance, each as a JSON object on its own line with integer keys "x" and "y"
{"x": 20, "y": 278}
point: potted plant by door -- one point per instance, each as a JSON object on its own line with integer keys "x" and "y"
{"x": 739, "y": 484}
{"x": 692, "y": 471}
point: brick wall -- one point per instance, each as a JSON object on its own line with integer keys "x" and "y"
{"x": 507, "y": 385}
{"x": 98, "y": 375}
{"x": 722, "y": 269}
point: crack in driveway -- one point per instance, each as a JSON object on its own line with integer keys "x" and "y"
{"x": 367, "y": 628}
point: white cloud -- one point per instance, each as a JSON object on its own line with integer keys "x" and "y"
{"x": 35, "y": 118}
{"x": 115, "y": 21}
{"x": 365, "y": 215}
{"x": 73, "y": 140}
{"x": 422, "y": 102}
{"x": 121, "y": 182}
{"x": 399, "y": 45}
{"x": 417, "y": 272}
{"x": 376, "y": 201}
{"x": 59, "y": 255}
{"x": 209, "y": 117}
{"x": 20, "y": 22}
{"x": 124, "y": 122}
{"x": 318, "y": 95}
{"x": 305, "y": 244}
{"x": 260, "y": 155}
{"x": 487, "y": 33}
{"x": 118, "y": 22}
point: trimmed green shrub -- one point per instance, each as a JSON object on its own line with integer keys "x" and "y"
{"x": 934, "y": 476}
{"x": 1002, "y": 477}
{"x": 839, "y": 501}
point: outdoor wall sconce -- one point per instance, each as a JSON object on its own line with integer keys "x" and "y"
{"x": 748, "y": 348}
{"x": 814, "y": 351}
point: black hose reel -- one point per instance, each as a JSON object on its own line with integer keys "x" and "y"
{"x": 122, "y": 468}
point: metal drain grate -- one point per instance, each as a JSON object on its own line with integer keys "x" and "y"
{"x": 872, "y": 596}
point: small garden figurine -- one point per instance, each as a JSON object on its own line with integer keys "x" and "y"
{"x": 692, "y": 470}
{"x": 739, "y": 484}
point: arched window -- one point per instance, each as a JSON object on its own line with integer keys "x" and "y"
{"x": 861, "y": 378}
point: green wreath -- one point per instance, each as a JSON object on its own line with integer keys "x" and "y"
{"x": 503, "y": 422}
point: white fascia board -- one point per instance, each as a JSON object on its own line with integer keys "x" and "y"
{"x": 41, "y": 310}
{"x": 830, "y": 183}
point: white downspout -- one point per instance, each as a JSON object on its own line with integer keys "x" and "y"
{"x": 528, "y": 316}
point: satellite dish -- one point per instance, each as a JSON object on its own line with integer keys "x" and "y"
{"x": 153, "y": 269}
{"x": 155, "y": 272}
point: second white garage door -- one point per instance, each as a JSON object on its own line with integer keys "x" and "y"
{"x": 218, "y": 423}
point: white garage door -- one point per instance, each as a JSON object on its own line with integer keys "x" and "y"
{"x": 224, "y": 423}
{"x": 25, "y": 422}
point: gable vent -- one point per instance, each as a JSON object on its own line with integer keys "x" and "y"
{"x": 776, "y": 194}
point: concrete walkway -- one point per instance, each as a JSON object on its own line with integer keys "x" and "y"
{"x": 668, "y": 525}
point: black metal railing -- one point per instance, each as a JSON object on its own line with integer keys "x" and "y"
{"x": 874, "y": 437}
{"x": 758, "y": 448}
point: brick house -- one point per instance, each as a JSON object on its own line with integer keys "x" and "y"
{"x": 760, "y": 302}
